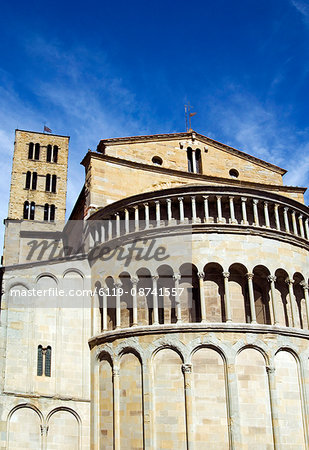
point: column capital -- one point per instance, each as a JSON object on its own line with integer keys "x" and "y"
{"x": 270, "y": 369}
{"x": 226, "y": 274}
{"x": 105, "y": 290}
{"x": 116, "y": 372}
{"x": 201, "y": 275}
{"x": 255, "y": 201}
{"x": 285, "y": 209}
{"x": 155, "y": 277}
{"x": 219, "y": 197}
{"x": 118, "y": 284}
{"x": 300, "y": 216}
{"x": 276, "y": 205}
{"x": 116, "y": 214}
{"x": 177, "y": 276}
{"x": 134, "y": 280}
{"x": 135, "y": 206}
{"x": 271, "y": 278}
{"x": 243, "y": 199}
{"x": 146, "y": 204}
{"x": 231, "y": 197}
{"x": 157, "y": 202}
{"x": 266, "y": 203}
{"x": 304, "y": 285}
{"x": 289, "y": 281}
{"x": 205, "y": 197}
{"x": 186, "y": 368}
{"x": 168, "y": 200}
{"x": 193, "y": 197}
{"x": 180, "y": 199}
{"x": 250, "y": 275}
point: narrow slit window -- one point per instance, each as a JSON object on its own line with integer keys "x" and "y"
{"x": 34, "y": 180}
{"x": 30, "y": 151}
{"x": 48, "y": 361}
{"x": 54, "y": 183}
{"x": 49, "y": 153}
{"x": 28, "y": 179}
{"x": 37, "y": 152}
{"x": 55, "y": 155}
{"x": 189, "y": 158}
{"x": 40, "y": 361}
{"x": 52, "y": 213}
{"x": 47, "y": 183}
{"x": 26, "y": 210}
{"x": 32, "y": 210}
{"x": 46, "y": 211}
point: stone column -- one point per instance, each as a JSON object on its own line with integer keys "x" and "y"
{"x": 136, "y": 218}
{"x": 294, "y": 223}
{"x": 146, "y": 206}
{"x": 286, "y": 219}
{"x": 233, "y": 407}
{"x": 267, "y": 223}
{"x": 272, "y": 280}
{"x": 244, "y": 210}
{"x": 104, "y": 309}
{"x": 148, "y": 405}
{"x": 187, "y": 372}
{"x": 256, "y": 212}
{"x": 291, "y": 297}
{"x": 155, "y": 299}
{"x": 134, "y": 281}
{"x": 117, "y": 224}
{"x": 307, "y": 228}
{"x": 110, "y": 230}
{"x": 251, "y": 297}
{"x": 158, "y": 213}
{"x": 177, "y": 278}
{"x": 169, "y": 210}
{"x": 274, "y": 408}
{"x": 232, "y": 210}
{"x": 228, "y": 312}
{"x": 301, "y": 226}
{"x": 277, "y": 219}
{"x": 206, "y": 209}
{"x": 305, "y": 286}
{"x": 201, "y": 276}
{"x": 181, "y": 210}
{"x": 103, "y": 233}
{"x": 116, "y": 407}
{"x": 193, "y": 161}
{"x": 117, "y": 286}
{"x": 193, "y": 204}
{"x": 219, "y": 209}
{"x": 126, "y": 221}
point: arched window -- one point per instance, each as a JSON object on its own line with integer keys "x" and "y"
{"x": 189, "y": 158}
{"x": 28, "y": 179}
{"x": 52, "y": 213}
{"x": 49, "y": 153}
{"x": 34, "y": 180}
{"x": 32, "y": 210}
{"x": 30, "y": 151}
{"x": 46, "y": 211}
{"x": 198, "y": 162}
{"x": 48, "y": 361}
{"x": 55, "y": 155}
{"x": 26, "y": 210}
{"x": 44, "y": 359}
{"x": 54, "y": 183}
{"x": 47, "y": 183}
{"x": 37, "y": 151}
{"x": 40, "y": 361}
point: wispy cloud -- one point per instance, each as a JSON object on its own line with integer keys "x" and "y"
{"x": 303, "y": 8}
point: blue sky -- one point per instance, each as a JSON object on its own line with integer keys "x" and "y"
{"x": 95, "y": 70}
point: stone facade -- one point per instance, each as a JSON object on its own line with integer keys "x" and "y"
{"x": 188, "y": 325}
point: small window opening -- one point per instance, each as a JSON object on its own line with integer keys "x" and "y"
{"x": 34, "y": 180}
{"x": 157, "y": 160}
{"x": 49, "y": 153}
{"x": 30, "y": 151}
{"x": 28, "y": 179}
{"x": 234, "y": 173}
{"x": 37, "y": 152}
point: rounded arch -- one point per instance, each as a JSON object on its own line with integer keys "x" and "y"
{"x": 216, "y": 348}
{"x": 256, "y": 347}
{"x": 64, "y": 408}
{"x": 73, "y": 270}
{"x": 47, "y": 275}
{"x": 25, "y": 405}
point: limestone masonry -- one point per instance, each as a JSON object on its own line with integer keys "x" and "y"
{"x": 171, "y": 310}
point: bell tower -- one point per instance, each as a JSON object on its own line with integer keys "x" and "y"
{"x": 38, "y": 186}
